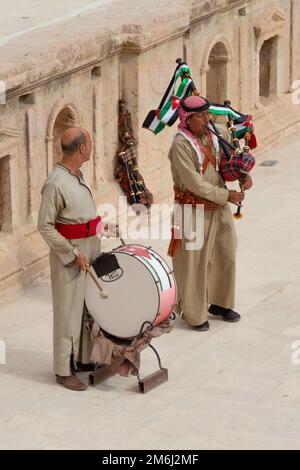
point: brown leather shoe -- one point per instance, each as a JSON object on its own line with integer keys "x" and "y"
{"x": 71, "y": 382}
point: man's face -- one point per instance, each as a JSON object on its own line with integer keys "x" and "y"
{"x": 198, "y": 122}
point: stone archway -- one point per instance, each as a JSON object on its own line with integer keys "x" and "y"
{"x": 64, "y": 114}
{"x": 65, "y": 119}
{"x": 217, "y": 74}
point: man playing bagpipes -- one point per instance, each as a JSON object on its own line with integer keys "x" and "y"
{"x": 204, "y": 275}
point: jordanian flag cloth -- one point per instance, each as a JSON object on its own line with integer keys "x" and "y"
{"x": 168, "y": 110}
{"x": 242, "y": 122}
{"x": 246, "y": 126}
{"x": 221, "y": 109}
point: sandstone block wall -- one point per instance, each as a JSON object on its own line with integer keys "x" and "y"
{"x": 57, "y": 77}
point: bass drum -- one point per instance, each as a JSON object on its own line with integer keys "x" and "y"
{"x": 141, "y": 290}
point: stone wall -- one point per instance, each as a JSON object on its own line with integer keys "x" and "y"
{"x": 52, "y": 86}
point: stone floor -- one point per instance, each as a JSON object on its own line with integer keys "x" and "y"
{"x": 234, "y": 387}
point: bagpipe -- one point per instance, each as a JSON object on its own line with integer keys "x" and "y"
{"x": 126, "y": 170}
{"x": 235, "y": 163}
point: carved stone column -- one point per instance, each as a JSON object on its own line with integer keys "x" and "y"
{"x": 246, "y": 80}
{"x": 14, "y": 191}
{"x": 9, "y": 145}
{"x": 98, "y": 138}
{"x": 49, "y": 153}
{"x": 203, "y": 80}
{"x": 295, "y": 41}
{"x": 35, "y": 173}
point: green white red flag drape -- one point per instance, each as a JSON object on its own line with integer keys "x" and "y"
{"x": 168, "y": 110}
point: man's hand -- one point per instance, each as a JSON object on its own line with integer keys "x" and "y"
{"x": 111, "y": 230}
{"x": 248, "y": 183}
{"x": 81, "y": 261}
{"x": 235, "y": 197}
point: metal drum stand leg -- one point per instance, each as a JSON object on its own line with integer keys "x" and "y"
{"x": 156, "y": 378}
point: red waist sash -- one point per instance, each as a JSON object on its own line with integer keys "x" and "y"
{"x": 73, "y": 231}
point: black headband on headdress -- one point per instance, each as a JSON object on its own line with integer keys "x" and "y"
{"x": 186, "y": 108}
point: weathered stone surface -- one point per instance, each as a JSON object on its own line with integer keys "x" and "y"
{"x": 48, "y": 73}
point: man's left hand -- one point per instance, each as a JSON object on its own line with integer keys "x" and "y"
{"x": 111, "y": 230}
{"x": 81, "y": 260}
{"x": 248, "y": 184}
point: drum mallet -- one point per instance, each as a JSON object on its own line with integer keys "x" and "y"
{"x": 103, "y": 293}
{"x": 119, "y": 234}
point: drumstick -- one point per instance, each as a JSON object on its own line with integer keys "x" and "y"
{"x": 103, "y": 293}
{"x": 119, "y": 234}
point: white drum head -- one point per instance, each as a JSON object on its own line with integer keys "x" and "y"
{"x": 132, "y": 299}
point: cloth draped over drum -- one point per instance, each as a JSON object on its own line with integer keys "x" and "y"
{"x": 123, "y": 356}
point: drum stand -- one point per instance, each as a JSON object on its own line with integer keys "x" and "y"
{"x": 99, "y": 373}
{"x": 155, "y": 379}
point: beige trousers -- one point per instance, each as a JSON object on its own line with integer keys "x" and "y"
{"x": 207, "y": 275}
{"x": 68, "y": 290}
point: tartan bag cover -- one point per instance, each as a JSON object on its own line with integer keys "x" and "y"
{"x": 237, "y": 166}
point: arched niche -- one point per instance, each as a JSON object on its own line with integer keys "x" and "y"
{"x": 268, "y": 29}
{"x": 216, "y": 89}
{"x": 65, "y": 113}
{"x": 215, "y": 71}
{"x": 268, "y": 60}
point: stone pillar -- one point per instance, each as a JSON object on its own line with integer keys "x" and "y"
{"x": 295, "y": 41}
{"x": 35, "y": 173}
{"x": 203, "y": 81}
{"x": 98, "y": 138}
{"x": 14, "y": 190}
{"x": 130, "y": 86}
{"x": 256, "y": 77}
{"x": 49, "y": 153}
{"x": 9, "y": 191}
{"x": 246, "y": 71}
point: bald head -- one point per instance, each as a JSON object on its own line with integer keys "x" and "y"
{"x": 72, "y": 138}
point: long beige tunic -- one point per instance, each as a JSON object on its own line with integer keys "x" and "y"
{"x": 66, "y": 199}
{"x": 207, "y": 275}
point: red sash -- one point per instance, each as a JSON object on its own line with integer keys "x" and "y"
{"x": 74, "y": 231}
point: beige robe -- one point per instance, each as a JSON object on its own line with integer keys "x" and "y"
{"x": 207, "y": 275}
{"x": 66, "y": 199}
